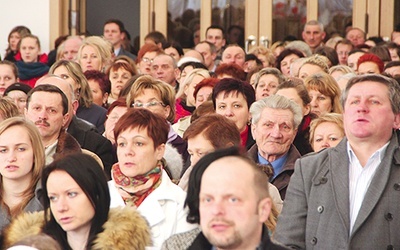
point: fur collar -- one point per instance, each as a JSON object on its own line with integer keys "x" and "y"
{"x": 124, "y": 229}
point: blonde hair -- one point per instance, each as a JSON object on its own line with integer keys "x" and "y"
{"x": 261, "y": 50}
{"x": 38, "y": 160}
{"x": 103, "y": 49}
{"x": 334, "y": 118}
{"x": 326, "y": 85}
{"x": 318, "y": 60}
{"x": 188, "y": 80}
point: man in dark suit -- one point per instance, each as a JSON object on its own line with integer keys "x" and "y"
{"x": 348, "y": 197}
{"x": 114, "y": 32}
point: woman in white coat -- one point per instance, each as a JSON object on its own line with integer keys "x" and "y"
{"x": 139, "y": 178}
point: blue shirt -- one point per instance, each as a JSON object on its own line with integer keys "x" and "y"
{"x": 277, "y": 165}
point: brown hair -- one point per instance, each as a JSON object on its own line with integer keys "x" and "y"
{"x": 231, "y": 69}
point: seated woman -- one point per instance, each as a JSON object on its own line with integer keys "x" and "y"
{"x": 77, "y": 210}
{"x": 8, "y": 75}
{"x": 86, "y": 109}
{"x": 118, "y": 73}
{"x": 100, "y": 86}
{"x": 286, "y": 58}
{"x": 267, "y": 82}
{"x": 95, "y": 53}
{"x": 30, "y": 63}
{"x": 13, "y": 39}
{"x": 326, "y": 131}
{"x": 139, "y": 178}
{"x": 22, "y": 159}
{"x": 313, "y": 64}
{"x": 18, "y": 92}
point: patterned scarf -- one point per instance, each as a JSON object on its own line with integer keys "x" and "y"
{"x": 135, "y": 189}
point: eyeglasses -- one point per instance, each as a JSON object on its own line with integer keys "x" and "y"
{"x": 147, "y": 104}
{"x": 147, "y": 60}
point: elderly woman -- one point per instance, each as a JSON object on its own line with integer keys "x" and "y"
{"x": 369, "y": 64}
{"x": 324, "y": 93}
{"x": 119, "y": 73}
{"x": 267, "y": 82}
{"x": 286, "y": 58}
{"x": 139, "y": 179}
{"x": 87, "y": 110}
{"x": 232, "y": 98}
{"x": 326, "y": 131}
{"x": 95, "y": 53}
{"x": 77, "y": 210}
{"x": 265, "y": 55}
{"x": 313, "y": 64}
{"x": 145, "y": 57}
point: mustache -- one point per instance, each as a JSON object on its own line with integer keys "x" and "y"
{"x": 219, "y": 220}
{"x": 42, "y": 122}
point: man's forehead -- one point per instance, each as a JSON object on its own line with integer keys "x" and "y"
{"x": 162, "y": 59}
{"x": 215, "y": 32}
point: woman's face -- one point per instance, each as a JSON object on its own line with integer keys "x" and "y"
{"x": 267, "y": 85}
{"x": 151, "y": 100}
{"x": 234, "y": 107}
{"x": 189, "y": 89}
{"x": 16, "y": 154}
{"x": 145, "y": 63}
{"x": 99, "y": 97}
{"x": 118, "y": 79}
{"x": 14, "y": 40}
{"x": 173, "y": 52}
{"x": 29, "y": 50}
{"x": 203, "y": 94}
{"x": 320, "y": 103}
{"x": 286, "y": 62}
{"x": 112, "y": 119}
{"x": 7, "y": 77}
{"x": 19, "y": 97}
{"x": 62, "y": 72}
{"x": 185, "y": 72}
{"x": 291, "y": 93}
{"x": 136, "y": 153}
{"x": 309, "y": 69}
{"x": 69, "y": 205}
{"x": 264, "y": 60}
{"x": 326, "y": 135}
{"x": 90, "y": 59}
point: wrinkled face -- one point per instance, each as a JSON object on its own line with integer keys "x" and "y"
{"x": 16, "y": 154}
{"x": 267, "y": 85}
{"x": 342, "y": 51}
{"x": 205, "y": 50}
{"x": 29, "y": 49}
{"x": 286, "y": 62}
{"x": 112, "y": 119}
{"x": 99, "y": 97}
{"x": 353, "y": 59}
{"x": 69, "y": 205}
{"x": 71, "y": 48}
{"x": 19, "y": 97}
{"x": 234, "y": 107}
{"x": 90, "y": 59}
{"x": 320, "y": 103}
{"x": 356, "y": 37}
{"x": 291, "y": 94}
{"x": 368, "y": 68}
{"x": 230, "y": 211}
{"x": 203, "y": 94}
{"x": 145, "y": 63}
{"x": 216, "y": 37}
{"x": 45, "y": 110}
{"x": 313, "y": 35}
{"x": 118, "y": 78}
{"x": 113, "y": 34}
{"x": 234, "y": 54}
{"x": 189, "y": 89}
{"x": 326, "y": 135}
{"x": 309, "y": 69}
{"x": 14, "y": 40}
{"x": 136, "y": 152}
{"x": 274, "y": 132}
{"x": 7, "y": 77}
{"x": 151, "y": 100}
{"x": 64, "y": 74}
{"x": 163, "y": 69}
{"x": 172, "y": 52}
{"x": 368, "y": 114}
{"x": 198, "y": 146}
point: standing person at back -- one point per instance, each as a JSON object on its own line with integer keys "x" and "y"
{"x": 343, "y": 197}
{"x": 314, "y": 34}
{"x": 216, "y": 35}
{"x": 114, "y": 32}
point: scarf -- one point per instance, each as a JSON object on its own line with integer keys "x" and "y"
{"x": 31, "y": 70}
{"x": 135, "y": 189}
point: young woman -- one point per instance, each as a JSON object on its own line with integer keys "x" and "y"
{"x": 100, "y": 86}
{"x": 21, "y": 164}
{"x": 13, "y": 39}
{"x": 76, "y": 210}
{"x": 8, "y": 75}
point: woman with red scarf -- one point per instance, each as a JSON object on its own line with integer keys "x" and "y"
{"x": 139, "y": 179}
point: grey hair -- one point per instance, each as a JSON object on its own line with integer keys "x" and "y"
{"x": 315, "y": 22}
{"x": 270, "y": 71}
{"x": 392, "y": 85}
{"x": 276, "y": 102}
{"x": 300, "y": 45}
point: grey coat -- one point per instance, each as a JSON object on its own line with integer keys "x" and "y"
{"x": 315, "y": 214}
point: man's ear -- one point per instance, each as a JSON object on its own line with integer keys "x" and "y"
{"x": 65, "y": 119}
{"x": 264, "y": 209}
{"x": 396, "y": 124}
{"x": 75, "y": 106}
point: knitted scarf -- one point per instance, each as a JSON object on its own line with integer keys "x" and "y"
{"x": 30, "y": 70}
{"x": 135, "y": 189}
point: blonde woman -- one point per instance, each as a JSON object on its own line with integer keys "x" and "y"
{"x": 265, "y": 55}
{"x": 95, "y": 53}
{"x": 312, "y": 65}
{"x": 326, "y": 131}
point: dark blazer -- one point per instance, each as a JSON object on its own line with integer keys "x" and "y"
{"x": 92, "y": 141}
{"x": 123, "y": 52}
{"x": 316, "y": 212}
{"x": 95, "y": 114}
{"x": 281, "y": 181}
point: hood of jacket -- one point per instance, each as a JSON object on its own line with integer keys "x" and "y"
{"x": 124, "y": 229}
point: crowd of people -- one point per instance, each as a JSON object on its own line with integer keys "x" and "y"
{"x": 212, "y": 147}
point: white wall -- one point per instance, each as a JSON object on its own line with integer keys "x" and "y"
{"x": 34, "y": 14}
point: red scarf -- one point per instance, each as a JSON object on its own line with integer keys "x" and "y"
{"x": 135, "y": 189}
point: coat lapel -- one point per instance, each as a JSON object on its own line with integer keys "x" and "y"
{"x": 339, "y": 166}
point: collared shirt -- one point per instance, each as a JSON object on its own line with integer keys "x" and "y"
{"x": 277, "y": 165}
{"x": 116, "y": 51}
{"x": 49, "y": 151}
{"x": 360, "y": 178}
